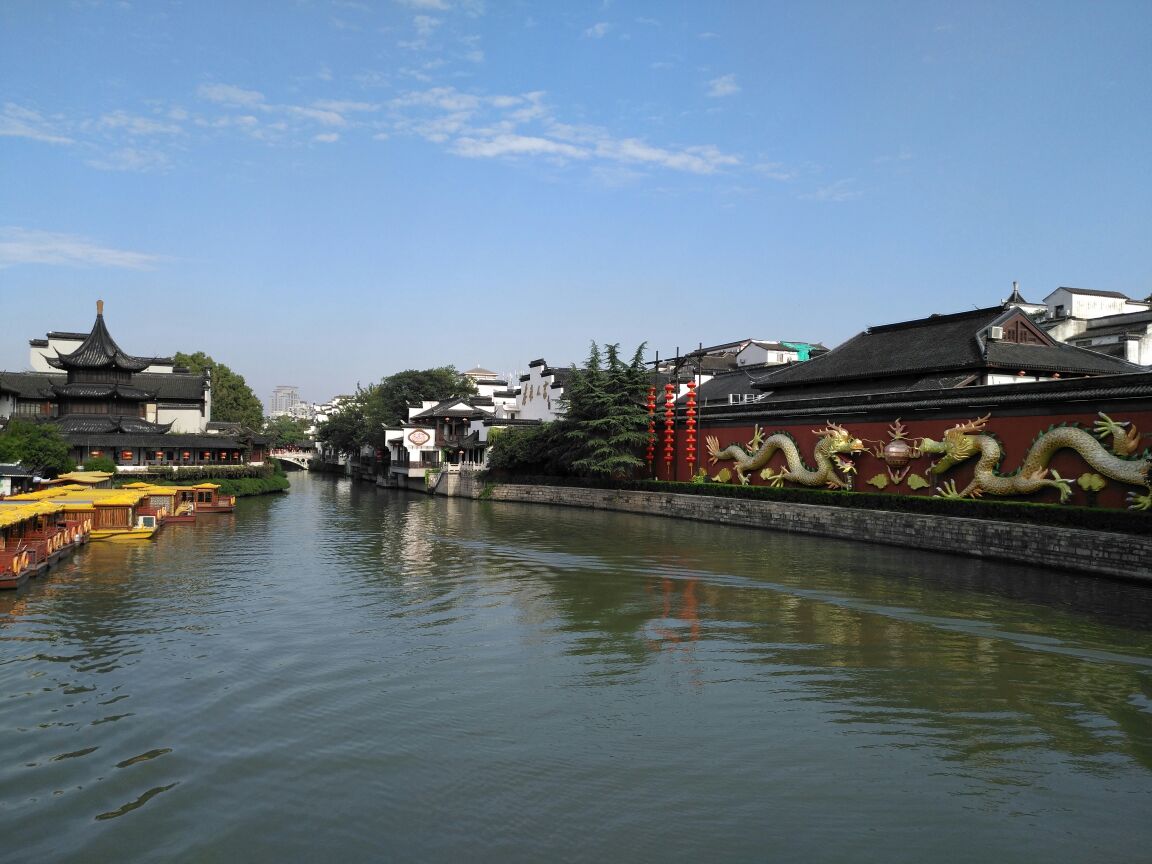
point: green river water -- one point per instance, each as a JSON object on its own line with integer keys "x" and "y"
{"x": 351, "y": 674}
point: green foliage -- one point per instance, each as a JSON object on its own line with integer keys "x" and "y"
{"x": 232, "y": 399}
{"x": 606, "y": 417}
{"x": 364, "y": 419}
{"x": 602, "y": 433}
{"x": 37, "y": 446}
{"x": 286, "y": 431}
{"x": 100, "y": 463}
{"x": 346, "y": 429}
{"x": 240, "y": 480}
{"x": 539, "y": 449}
{"x": 388, "y": 401}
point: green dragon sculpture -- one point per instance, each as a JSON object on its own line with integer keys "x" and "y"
{"x": 834, "y": 441}
{"x": 965, "y": 440}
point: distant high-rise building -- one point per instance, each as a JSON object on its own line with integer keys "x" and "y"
{"x": 285, "y": 398}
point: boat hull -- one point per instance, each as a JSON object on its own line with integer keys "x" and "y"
{"x": 121, "y": 535}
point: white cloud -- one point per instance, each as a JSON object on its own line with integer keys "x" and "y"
{"x": 440, "y": 5}
{"x": 725, "y": 85}
{"x": 775, "y": 171}
{"x": 841, "y": 190}
{"x": 515, "y": 145}
{"x": 229, "y": 95}
{"x": 708, "y": 35}
{"x": 19, "y": 122}
{"x": 327, "y": 137}
{"x": 524, "y": 125}
{"x": 695, "y": 160}
{"x": 324, "y": 118}
{"x": 425, "y": 25}
{"x": 598, "y": 31}
{"x": 346, "y": 107}
{"x": 135, "y": 125}
{"x": 131, "y": 159}
{"x": 25, "y": 246}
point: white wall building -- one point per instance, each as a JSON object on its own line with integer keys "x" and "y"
{"x": 1104, "y": 321}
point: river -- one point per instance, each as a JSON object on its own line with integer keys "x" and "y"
{"x": 350, "y": 674}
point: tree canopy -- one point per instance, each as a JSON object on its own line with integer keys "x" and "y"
{"x": 363, "y": 419}
{"x": 604, "y": 427}
{"x": 232, "y": 399}
{"x": 606, "y": 415}
{"x": 389, "y": 400}
{"x": 285, "y": 431}
{"x": 38, "y": 446}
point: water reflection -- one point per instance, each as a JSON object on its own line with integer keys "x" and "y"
{"x": 494, "y": 682}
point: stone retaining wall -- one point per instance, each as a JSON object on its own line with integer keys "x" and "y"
{"x": 1099, "y": 553}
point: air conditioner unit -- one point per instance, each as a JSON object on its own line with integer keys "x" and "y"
{"x": 995, "y": 332}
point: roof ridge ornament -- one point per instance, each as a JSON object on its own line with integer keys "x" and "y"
{"x": 99, "y": 307}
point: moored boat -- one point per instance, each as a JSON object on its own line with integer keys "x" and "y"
{"x": 206, "y": 498}
{"x": 29, "y": 540}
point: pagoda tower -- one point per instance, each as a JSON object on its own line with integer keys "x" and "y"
{"x": 99, "y": 396}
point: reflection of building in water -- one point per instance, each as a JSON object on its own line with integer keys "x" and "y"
{"x": 416, "y": 544}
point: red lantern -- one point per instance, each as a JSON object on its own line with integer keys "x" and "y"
{"x": 651, "y": 426}
{"x": 690, "y": 424}
{"x": 669, "y": 424}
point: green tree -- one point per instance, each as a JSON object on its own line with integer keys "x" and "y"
{"x": 100, "y": 463}
{"x": 530, "y": 450}
{"x": 232, "y": 399}
{"x": 365, "y": 419}
{"x": 388, "y": 401}
{"x": 285, "y": 431}
{"x": 604, "y": 428}
{"x": 606, "y": 418}
{"x": 38, "y": 446}
{"x": 346, "y": 430}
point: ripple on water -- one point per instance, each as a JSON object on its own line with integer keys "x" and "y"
{"x": 329, "y": 674}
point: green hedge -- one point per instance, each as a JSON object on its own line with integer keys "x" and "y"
{"x": 239, "y": 480}
{"x": 1094, "y": 519}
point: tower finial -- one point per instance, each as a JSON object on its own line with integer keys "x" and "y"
{"x": 99, "y": 307}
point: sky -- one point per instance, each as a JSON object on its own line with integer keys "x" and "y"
{"x": 324, "y": 192}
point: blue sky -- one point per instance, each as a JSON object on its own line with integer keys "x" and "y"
{"x": 325, "y": 192}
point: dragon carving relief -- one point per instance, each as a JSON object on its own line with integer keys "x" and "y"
{"x": 962, "y": 442}
{"x": 833, "y": 468}
{"x": 967, "y": 440}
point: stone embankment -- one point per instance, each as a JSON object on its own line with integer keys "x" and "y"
{"x": 1098, "y": 553}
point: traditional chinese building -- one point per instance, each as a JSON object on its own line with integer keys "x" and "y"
{"x": 106, "y": 405}
{"x": 980, "y": 403}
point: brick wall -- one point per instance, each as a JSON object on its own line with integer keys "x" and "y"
{"x": 1098, "y": 553}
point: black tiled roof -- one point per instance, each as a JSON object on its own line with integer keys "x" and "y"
{"x": 173, "y": 386}
{"x": 87, "y": 424}
{"x": 1091, "y": 292}
{"x": 101, "y": 391}
{"x": 939, "y": 348}
{"x": 1093, "y": 390}
{"x": 1055, "y": 358}
{"x": 168, "y": 387}
{"x": 99, "y": 351}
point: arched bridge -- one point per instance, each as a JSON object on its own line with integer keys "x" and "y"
{"x": 299, "y": 458}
